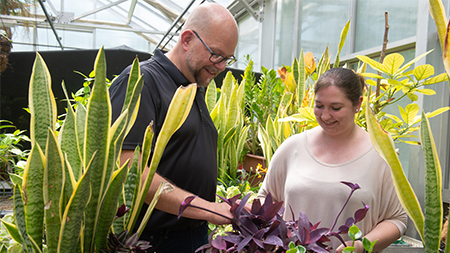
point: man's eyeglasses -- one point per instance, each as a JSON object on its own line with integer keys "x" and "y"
{"x": 217, "y": 58}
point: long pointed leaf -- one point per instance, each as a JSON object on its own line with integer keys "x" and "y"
{"x": 109, "y": 206}
{"x": 53, "y": 191}
{"x": 41, "y": 102}
{"x": 32, "y": 185}
{"x": 178, "y": 110}
{"x": 73, "y": 215}
{"x": 383, "y": 143}
{"x": 433, "y": 188}
{"x": 98, "y": 121}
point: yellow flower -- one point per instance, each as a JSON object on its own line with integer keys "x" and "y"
{"x": 310, "y": 63}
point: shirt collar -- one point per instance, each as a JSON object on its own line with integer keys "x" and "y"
{"x": 175, "y": 73}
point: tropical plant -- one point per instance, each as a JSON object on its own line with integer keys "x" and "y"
{"x": 226, "y": 110}
{"x": 428, "y": 223}
{"x": 396, "y": 84}
{"x": 262, "y": 100}
{"x": 72, "y": 186}
{"x": 262, "y": 229}
{"x": 12, "y": 153}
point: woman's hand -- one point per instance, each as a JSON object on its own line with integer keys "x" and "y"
{"x": 357, "y": 244}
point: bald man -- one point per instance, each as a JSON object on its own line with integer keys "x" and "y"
{"x": 205, "y": 47}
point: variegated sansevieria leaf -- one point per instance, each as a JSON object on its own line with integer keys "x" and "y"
{"x": 437, "y": 11}
{"x": 383, "y": 143}
{"x": 164, "y": 187}
{"x": 41, "y": 102}
{"x": 344, "y": 33}
{"x": 53, "y": 191}
{"x": 72, "y": 218}
{"x": 433, "y": 188}
{"x": 19, "y": 215}
{"x": 446, "y": 50}
{"x": 68, "y": 139}
{"x": 98, "y": 122}
{"x": 178, "y": 110}
{"x": 32, "y": 186}
{"x": 109, "y": 206}
{"x": 301, "y": 80}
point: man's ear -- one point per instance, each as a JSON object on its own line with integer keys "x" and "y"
{"x": 186, "y": 38}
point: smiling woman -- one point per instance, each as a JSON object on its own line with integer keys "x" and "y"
{"x": 337, "y": 150}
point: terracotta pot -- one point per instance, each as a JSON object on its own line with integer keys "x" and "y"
{"x": 250, "y": 164}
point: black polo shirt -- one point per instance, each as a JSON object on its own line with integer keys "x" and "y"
{"x": 190, "y": 158}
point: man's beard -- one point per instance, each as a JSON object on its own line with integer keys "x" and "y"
{"x": 197, "y": 73}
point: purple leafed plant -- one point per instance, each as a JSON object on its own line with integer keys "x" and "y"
{"x": 264, "y": 230}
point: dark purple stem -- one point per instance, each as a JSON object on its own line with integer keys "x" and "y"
{"x": 342, "y": 209}
{"x": 202, "y": 208}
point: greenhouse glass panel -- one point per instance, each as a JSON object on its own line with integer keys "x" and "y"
{"x": 321, "y": 23}
{"x": 248, "y": 43}
{"x": 370, "y": 25}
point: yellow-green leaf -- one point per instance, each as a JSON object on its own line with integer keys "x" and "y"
{"x": 423, "y": 71}
{"x": 392, "y": 63}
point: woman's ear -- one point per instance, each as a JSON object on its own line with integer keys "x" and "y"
{"x": 358, "y": 106}
{"x": 186, "y": 37}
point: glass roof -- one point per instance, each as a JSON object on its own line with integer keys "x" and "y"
{"x": 86, "y": 24}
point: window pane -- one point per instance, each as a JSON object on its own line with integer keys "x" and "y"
{"x": 321, "y": 23}
{"x": 370, "y": 25}
{"x": 248, "y": 43}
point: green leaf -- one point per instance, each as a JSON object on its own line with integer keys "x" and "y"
{"x": 211, "y": 95}
{"x": 426, "y": 91}
{"x": 33, "y": 182}
{"x": 344, "y": 33}
{"x": 13, "y": 231}
{"x": 433, "y": 188}
{"x": 72, "y": 219}
{"x": 109, "y": 206}
{"x": 301, "y": 80}
{"x": 437, "y": 112}
{"x": 423, "y": 71}
{"x": 53, "y": 191}
{"x": 98, "y": 122}
{"x": 372, "y": 63}
{"x": 437, "y": 11}
{"x": 436, "y": 79}
{"x": 392, "y": 63}
{"x": 41, "y": 102}
{"x": 19, "y": 215}
{"x": 371, "y": 75}
{"x": 68, "y": 139}
{"x": 383, "y": 143}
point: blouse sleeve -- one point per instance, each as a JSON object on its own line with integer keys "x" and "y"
{"x": 275, "y": 179}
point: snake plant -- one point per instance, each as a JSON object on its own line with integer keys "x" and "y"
{"x": 72, "y": 186}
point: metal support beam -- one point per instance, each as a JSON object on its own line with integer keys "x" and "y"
{"x": 104, "y": 7}
{"x": 131, "y": 11}
{"x": 174, "y": 24}
{"x": 49, "y": 20}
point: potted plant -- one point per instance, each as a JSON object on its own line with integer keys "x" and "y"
{"x": 262, "y": 228}
{"x": 11, "y": 153}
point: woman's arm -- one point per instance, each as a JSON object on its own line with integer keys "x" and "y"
{"x": 385, "y": 232}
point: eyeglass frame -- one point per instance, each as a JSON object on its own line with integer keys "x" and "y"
{"x": 228, "y": 61}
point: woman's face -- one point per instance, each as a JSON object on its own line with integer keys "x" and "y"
{"x": 334, "y": 111}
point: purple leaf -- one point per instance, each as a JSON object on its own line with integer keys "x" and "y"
{"x": 316, "y": 234}
{"x": 273, "y": 240}
{"x": 351, "y": 185}
{"x": 272, "y": 210}
{"x": 303, "y": 221}
{"x": 361, "y": 213}
{"x": 256, "y": 207}
{"x": 122, "y": 210}
{"x": 244, "y": 243}
{"x": 186, "y": 203}
{"x": 219, "y": 243}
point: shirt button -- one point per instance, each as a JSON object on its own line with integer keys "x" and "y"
{"x": 201, "y": 110}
